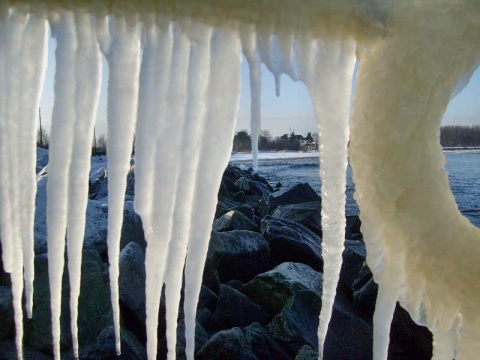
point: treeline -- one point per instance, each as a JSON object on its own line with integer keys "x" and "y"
{"x": 242, "y": 142}
{"x": 460, "y": 136}
{"x": 99, "y": 145}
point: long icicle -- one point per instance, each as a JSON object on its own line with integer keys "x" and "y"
{"x": 223, "y": 98}
{"x": 331, "y": 92}
{"x": 88, "y": 78}
{"x": 167, "y": 145}
{"x": 123, "y": 56}
{"x": 249, "y": 46}
{"x": 199, "y": 73}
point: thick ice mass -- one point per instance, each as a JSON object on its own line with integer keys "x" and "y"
{"x": 174, "y": 85}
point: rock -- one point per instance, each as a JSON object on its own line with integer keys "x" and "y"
{"x": 352, "y": 228}
{"x": 252, "y": 187}
{"x": 308, "y": 214}
{"x": 239, "y": 197}
{"x": 132, "y": 285}
{"x": 94, "y": 307}
{"x": 207, "y": 299}
{"x": 227, "y": 344}
{"x": 132, "y": 228}
{"x": 210, "y": 277}
{"x": 354, "y": 256}
{"x": 201, "y": 338}
{"x": 235, "y": 284}
{"x": 364, "y": 292}
{"x": 238, "y": 254}
{"x": 131, "y": 347}
{"x": 236, "y": 310}
{"x": 6, "y": 313}
{"x": 253, "y": 201}
{"x": 8, "y": 351}
{"x": 306, "y": 353}
{"x": 292, "y": 242}
{"x": 225, "y": 205}
{"x": 274, "y": 289}
{"x": 230, "y": 184}
{"x": 263, "y": 345}
{"x": 233, "y": 220}
{"x": 297, "y": 194}
{"x": 102, "y": 191}
{"x": 223, "y": 191}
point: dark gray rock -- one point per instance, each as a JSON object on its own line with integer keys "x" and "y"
{"x": 132, "y": 229}
{"x": 296, "y": 194}
{"x": 306, "y": 353}
{"x": 201, "y": 338}
{"x": 8, "y": 351}
{"x": 238, "y": 254}
{"x": 131, "y": 347}
{"x": 354, "y": 256}
{"x": 94, "y": 307}
{"x": 235, "y": 284}
{"x": 6, "y": 313}
{"x": 102, "y": 190}
{"x": 252, "y": 187}
{"x": 225, "y": 205}
{"x": 308, "y": 214}
{"x": 239, "y": 197}
{"x": 207, "y": 299}
{"x": 233, "y": 220}
{"x": 263, "y": 345}
{"x": 132, "y": 282}
{"x": 352, "y": 228}
{"x": 230, "y": 184}
{"x": 227, "y": 344}
{"x": 292, "y": 242}
{"x": 223, "y": 191}
{"x": 235, "y": 309}
{"x": 364, "y": 292}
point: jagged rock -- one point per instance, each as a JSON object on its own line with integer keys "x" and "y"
{"x": 306, "y": 353}
{"x": 263, "y": 345}
{"x": 8, "y": 351}
{"x": 274, "y": 289}
{"x": 210, "y": 277}
{"x": 6, "y": 313}
{"x": 239, "y": 197}
{"x": 353, "y": 259}
{"x": 235, "y": 284}
{"x": 235, "y": 309}
{"x": 293, "y": 242}
{"x": 94, "y": 306}
{"x": 102, "y": 191}
{"x": 296, "y": 194}
{"x": 352, "y": 228}
{"x": 131, "y": 347}
{"x": 201, "y": 338}
{"x": 308, "y": 214}
{"x": 223, "y": 191}
{"x": 225, "y": 205}
{"x": 238, "y": 254}
{"x": 132, "y": 284}
{"x": 227, "y": 344}
{"x": 207, "y": 299}
{"x": 253, "y": 201}
{"x": 230, "y": 184}
{"x": 252, "y": 187}
{"x": 364, "y": 292}
{"x": 233, "y": 220}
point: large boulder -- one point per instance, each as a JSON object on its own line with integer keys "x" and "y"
{"x": 132, "y": 287}
{"x": 225, "y": 205}
{"x": 296, "y": 194}
{"x": 6, "y": 313}
{"x": 235, "y": 309}
{"x": 238, "y": 254}
{"x": 131, "y": 348}
{"x": 233, "y": 220}
{"x": 227, "y": 344}
{"x": 308, "y": 214}
{"x": 263, "y": 345}
{"x": 306, "y": 353}
{"x": 292, "y": 242}
{"x": 352, "y": 228}
{"x": 102, "y": 190}
{"x": 252, "y": 187}
{"x": 94, "y": 309}
{"x": 8, "y": 351}
{"x": 354, "y": 256}
{"x": 201, "y": 338}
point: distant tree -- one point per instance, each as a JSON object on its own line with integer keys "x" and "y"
{"x": 102, "y": 144}
{"x": 242, "y": 141}
{"x": 264, "y": 140}
{"x": 460, "y": 136}
{"x": 43, "y": 140}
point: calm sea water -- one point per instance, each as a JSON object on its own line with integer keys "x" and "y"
{"x": 463, "y": 169}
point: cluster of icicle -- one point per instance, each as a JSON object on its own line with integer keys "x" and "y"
{"x": 174, "y": 83}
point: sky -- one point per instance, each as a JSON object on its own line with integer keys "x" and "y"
{"x": 292, "y": 111}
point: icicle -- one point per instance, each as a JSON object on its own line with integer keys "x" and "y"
{"x": 443, "y": 344}
{"x": 199, "y": 74}
{"x": 249, "y": 46}
{"x": 222, "y": 100}
{"x": 88, "y": 78}
{"x": 331, "y": 91}
{"x": 168, "y": 144}
{"x": 123, "y": 56}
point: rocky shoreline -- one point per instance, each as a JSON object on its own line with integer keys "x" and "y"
{"x": 261, "y": 292}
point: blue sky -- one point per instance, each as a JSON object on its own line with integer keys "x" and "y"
{"x": 291, "y": 111}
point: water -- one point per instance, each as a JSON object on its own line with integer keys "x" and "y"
{"x": 287, "y": 169}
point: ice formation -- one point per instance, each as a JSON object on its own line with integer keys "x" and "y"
{"x": 175, "y": 82}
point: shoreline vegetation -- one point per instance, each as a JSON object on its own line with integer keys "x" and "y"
{"x": 452, "y": 138}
